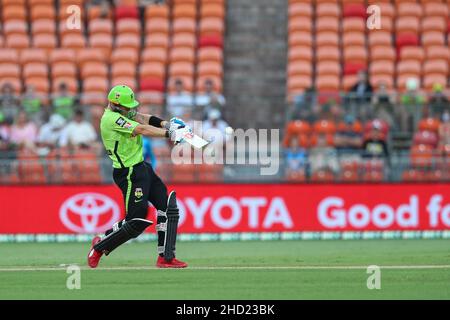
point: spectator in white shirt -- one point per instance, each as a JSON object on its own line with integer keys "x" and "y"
{"x": 51, "y": 133}
{"x": 80, "y": 133}
{"x": 215, "y": 128}
{"x": 210, "y": 97}
{"x": 180, "y": 100}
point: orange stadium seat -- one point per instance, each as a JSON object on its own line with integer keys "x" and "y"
{"x": 382, "y": 67}
{"x": 129, "y": 41}
{"x": 9, "y": 56}
{"x": 152, "y": 70}
{"x": 184, "y": 40}
{"x": 124, "y": 55}
{"x": 9, "y": 71}
{"x": 45, "y": 41}
{"x": 157, "y": 25}
{"x": 382, "y": 53}
{"x": 433, "y": 38}
{"x": 184, "y": 25}
{"x": 432, "y": 79}
{"x": 437, "y": 52}
{"x": 327, "y": 24}
{"x": 131, "y": 26}
{"x": 11, "y": 27}
{"x": 93, "y": 69}
{"x": 18, "y": 41}
{"x": 182, "y": 55}
{"x": 62, "y": 55}
{"x": 386, "y": 8}
{"x": 43, "y": 12}
{"x": 96, "y": 12}
{"x": 212, "y": 10}
{"x": 181, "y": 69}
{"x": 407, "y": 25}
{"x": 87, "y": 55}
{"x": 156, "y": 11}
{"x": 328, "y": 68}
{"x": 412, "y": 53}
{"x": 409, "y": 9}
{"x": 328, "y": 53}
{"x": 328, "y": 10}
{"x": 327, "y": 39}
{"x": 213, "y": 69}
{"x": 14, "y": 12}
{"x": 184, "y": 11}
{"x": 128, "y": 81}
{"x": 35, "y": 69}
{"x": 300, "y": 53}
{"x": 100, "y": 26}
{"x": 379, "y": 38}
{"x": 64, "y": 69}
{"x": 33, "y": 55}
{"x": 434, "y": 24}
{"x": 157, "y": 40}
{"x": 73, "y": 41}
{"x": 210, "y": 54}
{"x": 436, "y": 9}
{"x": 213, "y": 26}
{"x": 300, "y": 68}
{"x": 353, "y": 39}
{"x": 303, "y": 10}
{"x": 353, "y": 25}
{"x": 300, "y": 24}
{"x": 45, "y": 26}
{"x": 435, "y": 67}
{"x": 95, "y": 84}
{"x": 123, "y": 69}
{"x": 355, "y": 54}
{"x": 328, "y": 83}
{"x": 300, "y": 38}
{"x": 154, "y": 54}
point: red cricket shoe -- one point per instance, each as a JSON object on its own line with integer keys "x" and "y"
{"x": 174, "y": 263}
{"x": 94, "y": 256}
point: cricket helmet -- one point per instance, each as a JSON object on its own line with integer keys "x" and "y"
{"x": 123, "y": 95}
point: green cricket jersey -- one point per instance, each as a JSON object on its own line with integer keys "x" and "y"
{"x": 116, "y": 131}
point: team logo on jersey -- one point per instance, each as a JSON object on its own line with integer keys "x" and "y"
{"x": 138, "y": 193}
{"x": 121, "y": 121}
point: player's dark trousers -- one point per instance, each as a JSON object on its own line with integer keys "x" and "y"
{"x": 140, "y": 184}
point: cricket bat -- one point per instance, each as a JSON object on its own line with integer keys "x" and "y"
{"x": 195, "y": 141}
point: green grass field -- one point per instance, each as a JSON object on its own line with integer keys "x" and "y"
{"x": 233, "y": 270}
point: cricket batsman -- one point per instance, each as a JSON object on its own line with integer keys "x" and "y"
{"x": 122, "y": 128}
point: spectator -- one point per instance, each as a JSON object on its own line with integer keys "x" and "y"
{"x": 210, "y": 99}
{"x": 383, "y": 107}
{"x": 51, "y": 133}
{"x": 4, "y": 133}
{"x": 9, "y": 102}
{"x": 438, "y": 102}
{"x": 80, "y": 133}
{"x": 295, "y": 157}
{"x": 23, "y": 132}
{"x": 322, "y": 156}
{"x": 180, "y": 100}
{"x": 444, "y": 128}
{"x": 412, "y": 105}
{"x": 348, "y": 142}
{"x": 361, "y": 92}
{"x": 215, "y": 128}
{"x": 374, "y": 146}
{"x": 32, "y": 105}
{"x": 63, "y": 102}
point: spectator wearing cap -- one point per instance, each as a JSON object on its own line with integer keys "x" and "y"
{"x": 412, "y": 105}
{"x": 361, "y": 92}
{"x": 375, "y": 146}
{"x": 179, "y": 101}
{"x": 322, "y": 156}
{"x": 63, "y": 102}
{"x": 51, "y": 133}
{"x": 80, "y": 133}
{"x": 383, "y": 107}
{"x": 215, "y": 128}
{"x": 210, "y": 99}
{"x": 23, "y": 132}
{"x": 5, "y": 133}
{"x": 9, "y": 102}
{"x": 438, "y": 102}
{"x": 295, "y": 157}
{"x": 32, "y": 105}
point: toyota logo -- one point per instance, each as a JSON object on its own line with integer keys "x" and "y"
{"x": 89, "y": 213}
